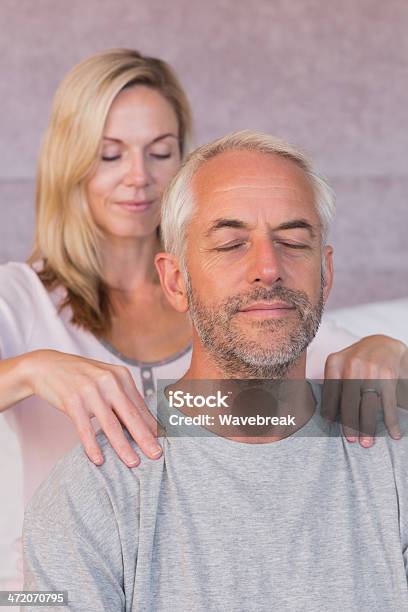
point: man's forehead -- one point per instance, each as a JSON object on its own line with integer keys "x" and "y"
{"x": 240, "y": 178}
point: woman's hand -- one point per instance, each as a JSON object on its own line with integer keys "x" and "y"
{"x": 360, "y": 381}
{"x": 82, "y": 388}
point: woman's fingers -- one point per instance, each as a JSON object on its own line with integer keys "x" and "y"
{"x": 370, "y": 406}
{"x": 350, "y": 409}
{"x": 137, "y": 400}
{"x": 134, "y": 417}
{"x": 389, "y": 402}
{"x": 374, "y": 364}
{"x": 86, "y": 433}
{"x": 112, "y": 428}
{"x": 331, "y": 396}
{"x": 137, "y": 427}
{"x": 341, "y": 397}
{"x": 332, "y": 388}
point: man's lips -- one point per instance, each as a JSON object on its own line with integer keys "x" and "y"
{"x": 267, "y": 309}
{"x": 268, "y": 306}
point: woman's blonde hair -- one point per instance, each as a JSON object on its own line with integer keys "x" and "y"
{"x": 66, "y": 237}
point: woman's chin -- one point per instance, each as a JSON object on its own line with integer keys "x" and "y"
{"x": 131, "y": 231}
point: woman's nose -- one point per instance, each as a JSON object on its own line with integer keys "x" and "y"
{"x": 137, "y": 173}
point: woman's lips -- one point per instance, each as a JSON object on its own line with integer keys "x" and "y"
{"x": 135, "y": 206}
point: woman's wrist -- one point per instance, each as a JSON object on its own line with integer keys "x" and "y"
{"x": 17, "y": 378}
{"x": 28, "y": 371}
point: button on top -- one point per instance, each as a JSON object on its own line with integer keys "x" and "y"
{"x": 146, "y": 374}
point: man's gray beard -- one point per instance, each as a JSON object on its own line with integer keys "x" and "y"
{"x": 239, "y": 357}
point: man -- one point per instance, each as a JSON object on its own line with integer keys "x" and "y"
{"x": 290, "y": 520}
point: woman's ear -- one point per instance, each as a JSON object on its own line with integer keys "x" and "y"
{"x": 172, "y": 281}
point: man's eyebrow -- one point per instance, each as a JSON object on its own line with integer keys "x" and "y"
{"x": 237, "y": 224}
{"x": 225, "y": 222}
{"x": 161, "y": 137}
{"x": 297, "y": 224}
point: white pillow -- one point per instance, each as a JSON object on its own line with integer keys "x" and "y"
{"x": 389, "y": 318}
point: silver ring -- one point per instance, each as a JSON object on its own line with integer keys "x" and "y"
{"x": 370, "y": 391}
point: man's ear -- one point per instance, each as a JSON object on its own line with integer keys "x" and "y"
{"x": 172, "y": 281}
{"x": 328, "y": 276}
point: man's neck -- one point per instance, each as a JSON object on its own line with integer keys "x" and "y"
{"x": 294, "y": 397}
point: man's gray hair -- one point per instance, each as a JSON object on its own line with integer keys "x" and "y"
{"x": 178, "y": 200}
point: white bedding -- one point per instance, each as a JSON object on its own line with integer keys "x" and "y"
{"x": 389, "y": 318}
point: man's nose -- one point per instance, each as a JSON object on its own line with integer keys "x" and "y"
{"x": 137, "y": 171}
{"x": 264, "y": 265}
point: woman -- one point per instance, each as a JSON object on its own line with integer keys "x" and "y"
{"x": 84, "y": 324}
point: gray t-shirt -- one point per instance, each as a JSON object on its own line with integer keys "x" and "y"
{"x": 310, "y": 523}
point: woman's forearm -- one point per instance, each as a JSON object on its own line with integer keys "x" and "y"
{"x": 15, "y": 376}
{"x": 83, "y": 388}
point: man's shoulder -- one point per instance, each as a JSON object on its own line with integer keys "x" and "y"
{"x": 77, "y": 523}
{"x": 113, "y": 467}
{"x": 75, "y": 479}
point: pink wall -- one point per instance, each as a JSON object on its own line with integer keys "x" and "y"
{"x": 329, "y": 76}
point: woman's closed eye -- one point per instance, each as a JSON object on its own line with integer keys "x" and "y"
{"x": 161, "y": 151}
{"x": 161, "y": 155}
{"x": 110, "y": 158}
